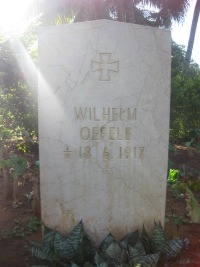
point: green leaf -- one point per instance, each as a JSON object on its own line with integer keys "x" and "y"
{"x": 63, "y": 246}
{"x": 173, "y": 175}
{"x": 19, "y": 165}
{"x": 42, "y": 252}
{"x": 136, "y": 253}
{"x": 67, "y": 247}
{"x": 158, "y": 236}
{"x": 106, "y": 243}
{"x": 49, "y": 236}
{"x": 171, "y": 248}
{"x": 116, "y": 253}
{"x": 150, "y": 260}
{"x": 99, "y": 261}
{"x": 46, "y": 250}
{"x": 77, "y": 247}
{"x": 85, "y": 251}
{"x": 114, "y": 250}
{"x": 130, "y": 239}
{"x": 146, "y": 241}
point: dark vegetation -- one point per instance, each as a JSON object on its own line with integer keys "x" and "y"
{"x": 134, "y": 249}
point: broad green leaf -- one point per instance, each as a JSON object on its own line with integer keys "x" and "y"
{"x": 85, "y": 251}
{"x": 146, "y": 241}
{"x": 64, "y": 247}
{"x": 136, "y": 253}
{"x": 46, "y": 250}
{"x": 116, "y": 253}
{"x": 158, "y": 236}
{"x": 173, "y": 175}
{"x": 130, "y": 239}
{"x": 49, "y": 236}
{"x": 106, "y": 243}
{"x": 150, "y": 260}
{"x": 171, "y": 248}
{"x": 76, "y": 235}
{"x": 42, "y": 252}
{"x": 99, "y": 261}
{"x": 19, "y": 165}
{"x": 67, "y": 247}
{"x": 113, "y": 250}
{"x": 77, "y": 247}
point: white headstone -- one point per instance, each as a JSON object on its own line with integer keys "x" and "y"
{"x": 104, "y": 93}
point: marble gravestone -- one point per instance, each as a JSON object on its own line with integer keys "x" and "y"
{"x": 104, "y": 94}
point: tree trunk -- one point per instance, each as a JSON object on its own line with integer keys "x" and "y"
{"x": 15, "y": 190}
{"x": 120, "y": 8}
{"x": 8, "y": 186}
{"x": 130, "y": 11}
{"x": 192, "y": 35}
{"x": 36, "y": 198}
{"x": 99, "y": 9}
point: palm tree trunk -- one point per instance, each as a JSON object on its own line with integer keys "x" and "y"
{"x": 130, "y": 11}
{"x": 120, "y": 8}
{"x": 192, "y": 34}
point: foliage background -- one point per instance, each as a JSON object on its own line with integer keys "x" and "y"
{"x": 18, "y": 87}
{"x": 185, "y": 98}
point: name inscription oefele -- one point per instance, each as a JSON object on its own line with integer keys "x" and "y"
{"x": 98, "y": 133}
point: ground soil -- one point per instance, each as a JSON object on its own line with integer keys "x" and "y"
{"x": 14, "y": 216}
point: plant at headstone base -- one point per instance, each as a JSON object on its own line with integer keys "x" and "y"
{"x": 133, "y": 250}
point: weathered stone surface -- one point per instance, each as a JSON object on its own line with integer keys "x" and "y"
{"x": 104, "y": 93}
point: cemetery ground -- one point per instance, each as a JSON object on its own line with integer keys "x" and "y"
{"x": 20, "y": 222}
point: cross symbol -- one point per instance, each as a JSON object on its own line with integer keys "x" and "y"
{"x": 105, "y": 66}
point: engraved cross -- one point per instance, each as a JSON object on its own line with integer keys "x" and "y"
{"x": 105, "y": 66}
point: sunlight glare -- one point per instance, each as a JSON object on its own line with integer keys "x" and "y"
{"x": 13, "y": 15}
